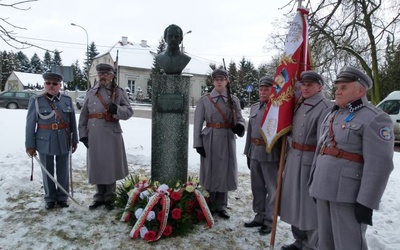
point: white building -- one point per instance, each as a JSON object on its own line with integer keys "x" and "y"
{"x": 134, "y": 67}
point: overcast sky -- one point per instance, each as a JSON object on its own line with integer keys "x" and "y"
{"x": 220, "y": 29}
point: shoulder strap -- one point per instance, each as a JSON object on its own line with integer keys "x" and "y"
{"x": 219, "y": 109}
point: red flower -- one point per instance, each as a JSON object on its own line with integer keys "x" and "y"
{"x": 176, "y": 213}
{"x": 150, "y": 235}
{"x": 167, "y": 231}
{"x": 176, "y": 196}
{"x": 160, "y": 217}
{"x": 200, "y": 215}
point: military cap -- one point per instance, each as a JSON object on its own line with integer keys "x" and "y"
{"x": 219, "y": 72}
{"x": 104, "y": 67}
{"x": 311, "y": 76}
{"x": 266, "y": 81}
{"x": 51, "y": 75}
{"x": 351, "y": 74}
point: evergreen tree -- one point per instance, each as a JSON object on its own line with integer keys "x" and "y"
{"x": 91, "y": 53}
{"x": 79, "y": 78}
{"x": 47, "y": 61}
{"x": 57, "y": 58}
{"x": 247, "y": 75}
{"x": 6, "y": 67}
{"x": 36, "y": 65}
{"x": 22, "y": 63}
{"x": 390, "y": 76}
{"x": 156, "y": 69}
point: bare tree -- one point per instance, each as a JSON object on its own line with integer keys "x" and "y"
{"x": 354, "y": 32}
{"x": 8, "y": 29}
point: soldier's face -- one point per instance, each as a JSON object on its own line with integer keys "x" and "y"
{"x": 52, "y": 86}
{"x": 309, "y": 89}
{"x": 220, "y": 83}
{"x": 264, "y": 93}
{"x": 105, "y": 77}
{"x": 347, "y": 92}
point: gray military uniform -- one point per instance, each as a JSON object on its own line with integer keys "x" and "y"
{"x": 52, "y": 144}
{"x": 338, "y": 183}
{"x": 107, "y": 160}
{"x": 218, "y": 171}
{"x": 297, "y": 207}
{"x": 264, "y": 167}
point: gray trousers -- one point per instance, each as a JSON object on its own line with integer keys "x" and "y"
{"x": 105, "y": 192}
{"x": 338, "y": 227}
{"x": 263, "y": 186}
{"x": 305, "y": 240}
{"x": 220, "y": 199}
{"x": 53, "y": 193}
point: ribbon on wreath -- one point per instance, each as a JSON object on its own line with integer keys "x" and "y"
{"x": 204, "y": 208}
{"x": 139, "y": 187}
{"x": 165, "y": 203}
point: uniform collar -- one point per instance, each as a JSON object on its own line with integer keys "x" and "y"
{"x": 314, "y": 100}
{"x": 52, "y": 97}
{"x": 215, "y": 95}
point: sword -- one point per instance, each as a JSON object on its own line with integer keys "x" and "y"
{"x": 54, "y": 180}
{"x": 70, "y": 166}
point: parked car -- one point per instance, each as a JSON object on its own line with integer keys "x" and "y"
{"x": 391, "y": 105}
{"x": 79, "y": 101}
{"x": 15, "y": 99}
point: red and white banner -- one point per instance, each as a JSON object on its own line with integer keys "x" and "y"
{"x": 278, "y": 116}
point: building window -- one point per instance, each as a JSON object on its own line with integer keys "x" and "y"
{"x": 131, "y": 86}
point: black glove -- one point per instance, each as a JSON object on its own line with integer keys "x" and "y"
{"x": 201, "y": 151}
{"x": 238, "y": 129}
{"x": 112, "y": 108}
{"x": 248, "y": 162}
{"x": 85, "y": 141}
{"x": 363, "y": 214}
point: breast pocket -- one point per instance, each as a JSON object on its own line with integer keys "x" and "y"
{"x": 45, "y": 111}
{"x": 350, "y": 133}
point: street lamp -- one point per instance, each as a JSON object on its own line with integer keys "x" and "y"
{"x": 87, "y": 53}
{"x": 182, "y": 48}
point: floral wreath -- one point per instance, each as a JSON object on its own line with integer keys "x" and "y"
{"x": 155, "y": 210}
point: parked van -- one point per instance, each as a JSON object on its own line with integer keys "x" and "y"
{"x": 391, "y": 105}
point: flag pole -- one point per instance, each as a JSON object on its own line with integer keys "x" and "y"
{"x": 278, "y": 192}
{"x": 283, "y": 154}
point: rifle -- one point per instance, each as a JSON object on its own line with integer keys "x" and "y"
{"x": 115, "y": 79}
{"x": 230, "y": 101}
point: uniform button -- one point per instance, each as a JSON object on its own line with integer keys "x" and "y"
{"x": 302, "y": 124}
{"x": 300, "y": 134}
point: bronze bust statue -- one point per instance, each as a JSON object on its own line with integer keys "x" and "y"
{"x": 172, "y": 61}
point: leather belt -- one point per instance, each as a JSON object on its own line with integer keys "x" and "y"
{"x": 303, "y": 147}
{"x": 97, "y": 115}
{"x": 339, "y": 153}
{"x": 53, "y": 126}
{"x": 258, "y": 141}
{"x": 219, "y": 125}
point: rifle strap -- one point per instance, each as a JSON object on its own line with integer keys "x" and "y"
{"x": 102, "y": 100}
{"x": 219, "y": 109}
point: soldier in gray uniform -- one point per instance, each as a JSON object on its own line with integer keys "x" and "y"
{"x": 297, "y": 207}
{"x": 50, "y": 129}
{"x": 263, "y": 166}
{"x": 353, "y": 163}
{"x": 216, "y": 142}
{"x": 99, "y": 129}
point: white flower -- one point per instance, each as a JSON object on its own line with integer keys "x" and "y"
{"x": 143, "y": 231}
{"x": 144, "y": 194}
{"x": 163, "y": 188}
{"x": 142, "y": 178}
{"x": 127, "y": 184}
{"x": 138, "y": 212}
{"x": 151, "y": 216}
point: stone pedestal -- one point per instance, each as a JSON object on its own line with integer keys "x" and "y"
{"x": 170, "y": 128}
